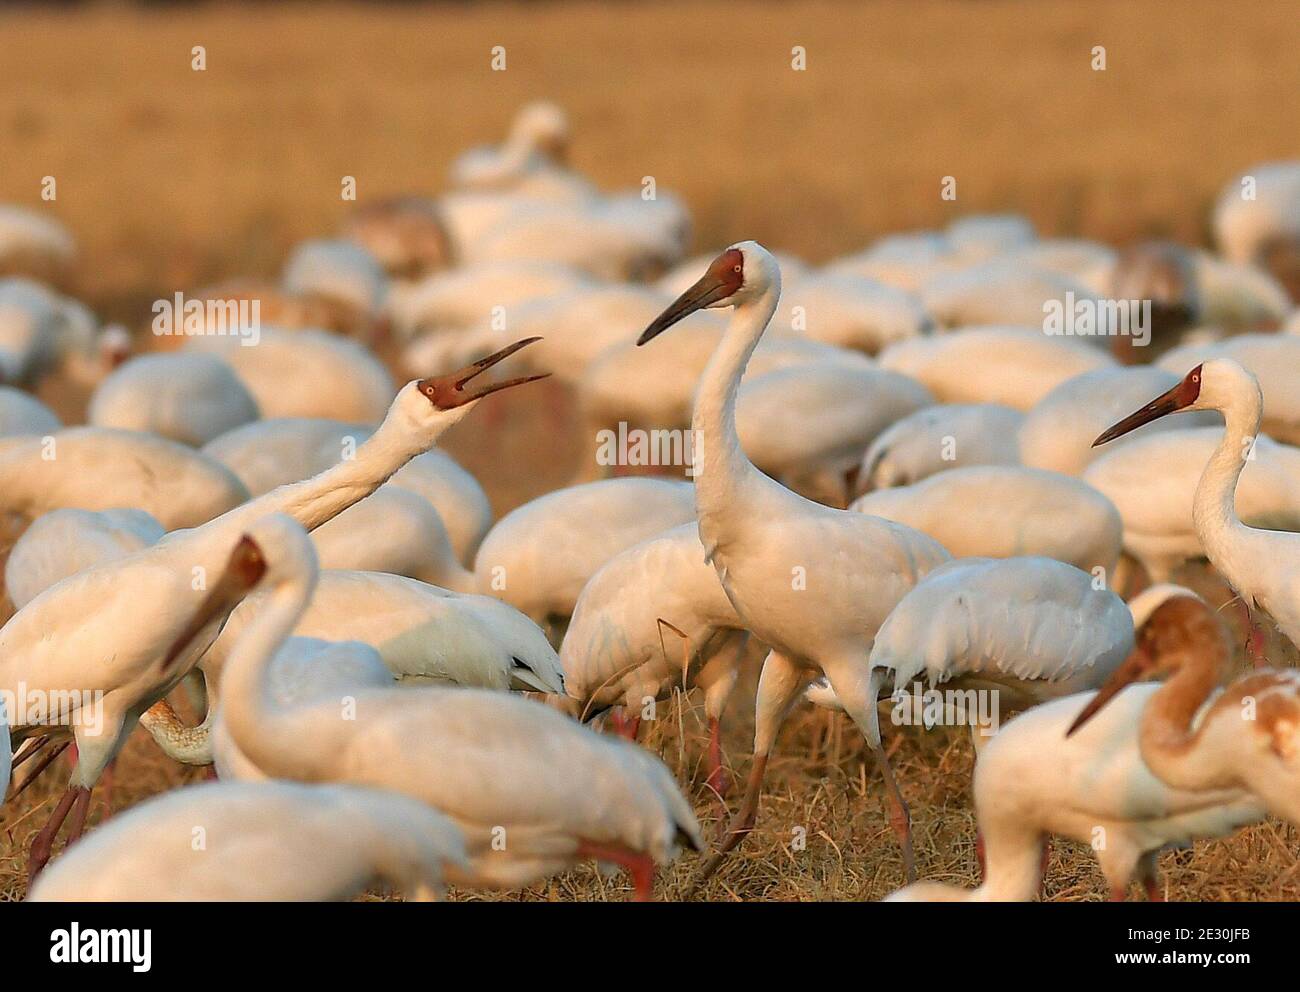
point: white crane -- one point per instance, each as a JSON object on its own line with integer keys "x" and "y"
{"x": 936, "y": 439}
{"x": 275, "y": 841}
{"x": 1014, "y": 366}
{"x": 393, "y": 530}
{"x": 190, "y": 398}
{"x": 22, "y": 413}
{"x": 406, "y": 234}
{"x": 468, "y": 296}
{"x": 1002, "y": 511}
{"x": 1153, "y": 482}
{"x": 807, "y": 425}
{"x": 1247, "y": 738}
{"x": 812, "y": 582}
{"x": 42, "y": 332}
{"x": 1017, "y": 630}
{"x": 532, "y": 791}
{"x": 99, "y": 468}
{"x": 35, "y": 245}
{"x": 656, "y": 390}
{"x": 306, "y": 374}
{"x": 1058, "y": 430}
{"x": 538, "y": 140}
{"x": 1031, "y": 781}
{"x": 1257, "y": 221}
{"x": 849, "y": 311}
{"x": 271, "y": 453}
{"x": 1000, "y": 291}
{"x": 906, "y": 261}
{"x": 1263, "y": 566}
{"x": 343, "y": 273}
{"x": 372, "y": 627}
{"x": 539, "y": 556}
{"x": 70, "y": 638}
{"x": 63, "y": 542}
{"x": 623, "y": 644}
{"x": 1273, "y": 359}
{"x": 305, "y": 669}
{"x": 422, "y": 633}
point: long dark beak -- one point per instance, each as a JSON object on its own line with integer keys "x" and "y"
{"x": 246, "y": 567}
{"x": 710, "y": 289}
{"x": 448, "y": 391}
{"x": 1162, "y": 405}
{"x": 1132, "y": 670}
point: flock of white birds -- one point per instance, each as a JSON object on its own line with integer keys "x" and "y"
{"x": 889, "y": 473}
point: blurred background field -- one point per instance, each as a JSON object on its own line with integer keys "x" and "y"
{"x": 171, "y": 179}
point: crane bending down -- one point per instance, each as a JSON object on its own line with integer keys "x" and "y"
{"x": 1263, "y": 566}
{"x": 814, "y": 583}
{"x": 502, "y": 768}
{"x": 261, "y": 841}
{"x": 1248, "y": 738}
{"x": 69, "y": 643}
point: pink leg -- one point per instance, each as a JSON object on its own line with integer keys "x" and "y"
{"x": 39, "y": 767}
{"x": 718, "y": 781}
{"x": 623, "y": 725}
{"x": 640, "y": 866}
{"x": 1254, "y": 636}
{"x": 979, "y": 854}
{"x": 43, "y": 843}
{"x": 1043, "y": 861}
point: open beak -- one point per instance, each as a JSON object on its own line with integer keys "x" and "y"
{"x": 1132, "y": 670}
{"x": 245, "y": 569}
{"x": 1164, "y": 404}
{"x": 448, "y": 391}
{"x": 709, "y": 290}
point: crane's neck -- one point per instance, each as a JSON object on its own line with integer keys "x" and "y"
{"x": 324, "y": 496}
{"x": 258, "y": 724}
{"x": 1168, "y": 744}
{"x": 1013, "y": 858}
{"x": 1214, "y": 510}
{"x": 723, "y": 473}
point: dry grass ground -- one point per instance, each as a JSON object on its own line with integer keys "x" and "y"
{"x": 172, "y": 178}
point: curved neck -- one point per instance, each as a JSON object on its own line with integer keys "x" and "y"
{"x": 324, "y": 496}
{"x": 1165, "y": 737}
{"x": 1214, "y": 509}
{"x": 1013, "y": 858}
{"x": 188, "y": 745}
{"x": 256, "y": 722}
{"x": 722, "y": 468}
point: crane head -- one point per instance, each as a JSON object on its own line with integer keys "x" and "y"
{"x": 447, "y": 392}
{"x": 1181, "y": 630}
{"x": 723, "y": 279}
{"x": 1181, "y": 397}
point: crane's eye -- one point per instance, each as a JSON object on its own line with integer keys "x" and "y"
{"x": 735, "y": 268}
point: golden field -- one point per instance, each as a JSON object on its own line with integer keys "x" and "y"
{"x": 172, "y": 178}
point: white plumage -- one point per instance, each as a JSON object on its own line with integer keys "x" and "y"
{"x": 1003, "y": 511}
{"x": 538, "y": 557}
{"x": 1059, "y": 429}
{"x": 1016, "y": 367}
{"x": 271, "y": 453}
{"x": 938, "y": 438}
{"x": 274, "y": 841}
{"x": 99, "y": 468}
{"x": 190, "y": 398}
